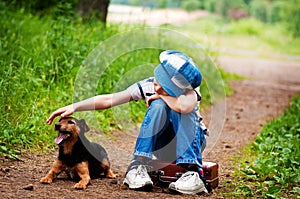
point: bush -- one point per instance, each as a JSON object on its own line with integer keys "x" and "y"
{"x": 291, "y": 16}
{"x": 191, "y": 5}
{"x": 39, "y": 6}
{"x": 258, "y": 9}
{"x": 210, "y": 5}
{"x": 274, "y": 12}
{"x": 246, "y": 26}
{"x": 278, "y": 147}
{"x": 223, "y": 6}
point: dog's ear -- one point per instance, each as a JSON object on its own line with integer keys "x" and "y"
{"x": 83, "y": 126}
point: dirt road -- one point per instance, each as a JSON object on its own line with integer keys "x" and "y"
{"x": 151, "y": 17}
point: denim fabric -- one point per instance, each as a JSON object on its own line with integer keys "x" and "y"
{"x": 170, "y": 135}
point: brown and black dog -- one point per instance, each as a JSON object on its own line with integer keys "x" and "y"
{"x": 77, "y": 155}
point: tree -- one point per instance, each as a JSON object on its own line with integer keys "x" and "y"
{"x": 258, "y": 9}
{"x": 191, "y": 5}
{"x": 97, "y": 8}
{"x": 224, "y": 6}
{"x": 291, "y": 16}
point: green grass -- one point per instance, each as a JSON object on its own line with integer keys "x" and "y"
{"x": 272, "y": 168}
{"x": 39, "y": 60}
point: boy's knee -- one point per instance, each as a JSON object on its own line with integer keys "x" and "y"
{"x": 158, "y": 104}
{"x": 159, "y": 109}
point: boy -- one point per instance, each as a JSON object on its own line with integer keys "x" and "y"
{"x": 172, "y": 128}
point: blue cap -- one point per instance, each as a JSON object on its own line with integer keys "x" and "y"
{"x": 177, "y": 73}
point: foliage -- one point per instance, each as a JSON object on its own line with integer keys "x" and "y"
{"x": 275, "y": 172}
{"x": 69, "y": 8}
{"x": 258, "y": 9}
{"x": 291, "y": 16}
{"x": 246, "y": 27}
{"x": 40, "y": 6}
{"x": 209, "y": 5}
{"x": 253, "y": 36}
{"x": 247, "y": 1}
{"x": 275, "y": 11}
{"x": 223, "y": 6}
{"x": 39, "y": 60}
{"x": 279, "y": 149}
{"x": 190, "y": 5}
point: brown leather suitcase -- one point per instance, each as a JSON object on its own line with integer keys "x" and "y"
{"x": 211, "y": 174}
{"x": 163, "y": 173}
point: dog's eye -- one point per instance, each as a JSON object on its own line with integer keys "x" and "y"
{"x": 71, "y": 122}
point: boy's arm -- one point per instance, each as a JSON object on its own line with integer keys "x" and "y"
{"x": 108, "y": 100}
{"x": 99, "y": 102}
{"x": 183, "y": 103}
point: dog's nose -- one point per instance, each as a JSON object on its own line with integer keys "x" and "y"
{"x": 57, "y": 126}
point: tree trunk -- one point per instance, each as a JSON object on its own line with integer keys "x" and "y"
{"x": 97, "y": 8}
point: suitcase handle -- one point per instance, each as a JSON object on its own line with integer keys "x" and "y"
{"x": 160, "y": 174}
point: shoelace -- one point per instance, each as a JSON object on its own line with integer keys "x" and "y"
{"x": 186, "y": 176}
{"x": 142, "y": 171}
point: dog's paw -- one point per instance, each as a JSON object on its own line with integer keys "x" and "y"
{"x": 80, "y": 185}
{"x": 110, "y": 174}
{"x": 46, "y": 180}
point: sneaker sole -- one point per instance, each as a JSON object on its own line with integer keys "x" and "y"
{"x": 197, "y": 191}
{"x": 146, "y": 186}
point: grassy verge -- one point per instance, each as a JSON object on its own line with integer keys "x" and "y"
{"x": 272, "y": 168}
{"x": 39, "y": 59}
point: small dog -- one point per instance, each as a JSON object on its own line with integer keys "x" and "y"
{"x": 77, "y": 155}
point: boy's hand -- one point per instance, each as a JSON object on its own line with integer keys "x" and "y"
{"x": 152, "y": 98}
{"x": 63, "y": 112}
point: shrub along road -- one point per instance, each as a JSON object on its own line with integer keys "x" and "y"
{"x": 261, "y": 97}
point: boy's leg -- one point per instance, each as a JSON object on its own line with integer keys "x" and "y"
{"x": 190, "y": 140}
{"x": 155, "y": 121}
{"x": 165, "y": 148}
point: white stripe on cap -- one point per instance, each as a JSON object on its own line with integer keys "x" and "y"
{"x": 173, "y": 60}
{"x": 192, "y": 62}
{"x": 178, "y": 84}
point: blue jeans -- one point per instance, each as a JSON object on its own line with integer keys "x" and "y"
{"x": 170, "y": 135}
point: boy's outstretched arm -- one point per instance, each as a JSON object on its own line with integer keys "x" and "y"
{"x": 99, "y": 102}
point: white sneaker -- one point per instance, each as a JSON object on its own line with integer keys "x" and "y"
{"x": 138, "y": 178}
{"x": 188, "y": 183}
